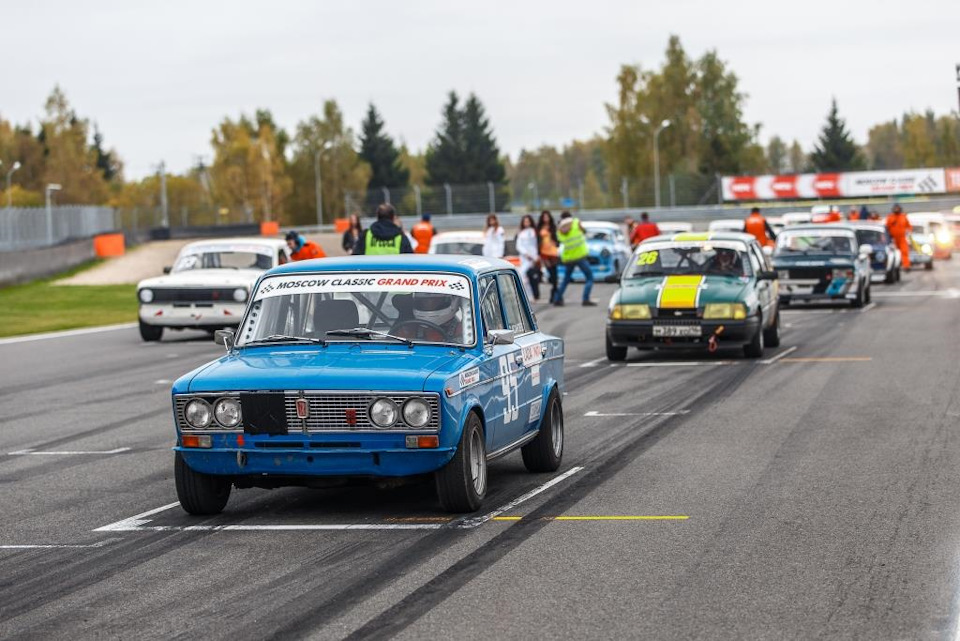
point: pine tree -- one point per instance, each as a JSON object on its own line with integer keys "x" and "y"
{"x": 446, "y": 159}
{"x": 106, "y": 162}
{"x": 836, "y": 149}
{"x": 378, "y": 149}
{"x": 481, "y": 153}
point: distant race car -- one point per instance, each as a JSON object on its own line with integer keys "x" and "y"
{"x": 695, "y": 290}
{"x": 609, "y": 251}
{"x": 796, "y": 218}
{"x": 670, "y": 227}
{"x": 208, "y": 285}
{"x": 469, "y": 243}
{"x": 885, "y": 257}
{"x": 776, "y": 223}
{"x": 822, "y": 263}
{"x": 726, "y": 224}
{"x": 934, "y": 229}
{"x": 372, "y": 367}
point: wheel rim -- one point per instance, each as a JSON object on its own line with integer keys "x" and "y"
{"x": 556, "y": 429}
{"x": 478, "y": 464}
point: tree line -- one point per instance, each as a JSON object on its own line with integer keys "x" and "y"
{"x": 693, "y": 107}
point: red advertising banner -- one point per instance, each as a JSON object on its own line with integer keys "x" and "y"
{"x": 953, "y": 179}
{"x": 842, "y": 185}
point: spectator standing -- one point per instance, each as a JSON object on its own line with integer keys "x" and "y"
{"x": 423, "y": 232}
{"x": 352, "y": 234}
{"x": 494, "y": 240}
{"x": 529, "y": 249}
{"x": 549, "y": 249}
{"x": 384, "y": 236}
{"x": 643, "y": 230}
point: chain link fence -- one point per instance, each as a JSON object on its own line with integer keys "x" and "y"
{"x": 32, "y": 227}
{"x": 433, "y": 199}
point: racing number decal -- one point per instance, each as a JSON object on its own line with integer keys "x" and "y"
{"x": 648, "y": 258}
{"x": 510, "y": 387}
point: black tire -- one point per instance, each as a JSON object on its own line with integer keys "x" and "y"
{"x": 899, "y": 274}
{"x": 929, "y": 266}
{"x": 615, "y": 353}
{"x": 866, "y": 296}
{"x": 200, "y": 494}
{"x": 615, "y": 276}
{"x": 459, "y": 487}
{"x": 771, "y": 335}
{"x": 150, "y": 333}
{"x": 891, "y": 277}
{"x": 784, "y": 302}
{"x": 754, "y": 349}
{"x": 545, "y": 452}
{"x": 858, "y": 301}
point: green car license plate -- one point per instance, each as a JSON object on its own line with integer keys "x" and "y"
{"x": 677, "y": 331}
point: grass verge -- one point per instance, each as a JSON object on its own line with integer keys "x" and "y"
{"x": 41, "y": 306}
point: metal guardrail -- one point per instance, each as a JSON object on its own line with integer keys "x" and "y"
{"x": 34, "y": 227}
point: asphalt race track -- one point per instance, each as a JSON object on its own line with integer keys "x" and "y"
{"x": 814, "y": 493}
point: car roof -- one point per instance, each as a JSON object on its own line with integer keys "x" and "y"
{"x": 800, "y": 229}
{"x": 702, "y": 236}
{"x": 243, "y": 240}
{"x": 873, "y": 225}
{"x": 466, "y": 265}
{"x": 925, "y": 215}
{"x": 727, "y": 221}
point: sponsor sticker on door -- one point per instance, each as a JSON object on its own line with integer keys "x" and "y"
{"x": 535, "y": 408}
{"x": 469, "y": 377}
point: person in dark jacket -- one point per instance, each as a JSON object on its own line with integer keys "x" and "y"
{"x": 384, "y": 236}
{"x": 352, "y": 234}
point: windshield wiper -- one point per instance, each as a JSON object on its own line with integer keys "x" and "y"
{"x": 362, "y": 332}
{"x": 284, "y": 338}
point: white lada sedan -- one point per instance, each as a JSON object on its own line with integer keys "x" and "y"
{"x": 208, "y": 285}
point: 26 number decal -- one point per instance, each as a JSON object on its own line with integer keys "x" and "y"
{"x": 510, "y": 387}
{"x": 648, "y": 258}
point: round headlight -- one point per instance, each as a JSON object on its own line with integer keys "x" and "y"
{"x": 605, "y": 253}
{"x": 240, "y": 294}
{"x": 198, "y": 413}
{"x": 146, "y": 295}
{"x": 383, "y": 412}
{"x": 416, "y": 412}
{"x": 227, "y": 411}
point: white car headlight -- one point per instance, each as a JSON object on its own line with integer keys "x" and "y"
{"x": 146, "y": 295}
{"x": 240, "y": 294}
{"x": 198, "y": 413}
{"x": 383, "y": 412}
{"x": 416, "y": 412}
{"x": 227, "y": 411}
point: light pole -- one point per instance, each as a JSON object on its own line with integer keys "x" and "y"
{"x": 15, "y": 167}
{"x": 656, "y": 160}
{"x": 536, "y": 194}
{"x": 164, "y": 207}
{"x": 316, "y": 177}
{"x": 416, "y": 191}
{"x": 51, "y": 187}
{"x": 446, "y": 188}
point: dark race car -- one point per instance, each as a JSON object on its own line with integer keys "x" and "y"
{"x": 822, "y": 263}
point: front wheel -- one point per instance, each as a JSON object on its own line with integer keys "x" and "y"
{"x": 615, "y": 353}
{"x": 200, "y": 494}
{"x": 544, "y": 453}
{"x": 866, "y": 295}
{"x": 754, "y": 349}
{"x": 150, "y": 333}
{"x": 929, "y": 266}
{"x": 462, "y": 483}
{"x": 859, "y": 300}
{"x": 771, "y": 335}
{"x": 891, "y": 277}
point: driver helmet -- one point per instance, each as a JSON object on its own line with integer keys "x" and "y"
{"x": 434, "y": 308}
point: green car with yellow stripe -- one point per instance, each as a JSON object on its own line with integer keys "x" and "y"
{"x": 696, "y": 291}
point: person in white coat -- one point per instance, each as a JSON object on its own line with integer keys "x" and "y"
{"x": 529, "y": 249}
{"x": 493, "y": 238}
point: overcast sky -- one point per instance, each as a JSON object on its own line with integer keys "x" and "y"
{"x": 158, "y": 76}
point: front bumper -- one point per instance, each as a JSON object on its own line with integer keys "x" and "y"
{"x": 918, "y": 258}
{"x": 640, "y": 334}
{"x": 314, "y": 455}
{"x": 184, "y": 315}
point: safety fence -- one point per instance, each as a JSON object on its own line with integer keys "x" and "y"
{"x": 33, "y": 227}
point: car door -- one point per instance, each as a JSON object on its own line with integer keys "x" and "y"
{"x": 765, "y": 288}
{"x": 500, "y": 371}
{"x": 528, "y": 357}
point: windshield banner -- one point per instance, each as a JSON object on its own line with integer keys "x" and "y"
{"x": 401, "y": 282}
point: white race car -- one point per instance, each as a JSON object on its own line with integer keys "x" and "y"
{"x": 208, "y": 285}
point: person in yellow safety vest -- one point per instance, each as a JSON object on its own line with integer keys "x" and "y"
{"x": 573, "y": 254}
{"x": 384, "y": 236}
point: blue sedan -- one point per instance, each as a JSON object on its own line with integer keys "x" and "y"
{"x": 368, "y": 367}
{"x": 609, "y": 252}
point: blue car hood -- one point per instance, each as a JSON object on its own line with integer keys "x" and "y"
{"x": 357, "y": 367}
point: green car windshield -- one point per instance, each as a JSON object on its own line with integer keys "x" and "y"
{"x": 703, "y": 259}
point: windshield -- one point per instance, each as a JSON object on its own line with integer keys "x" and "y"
{"x": 710, "y": 259}
{"x": 407, "y": 307}
{"x": 224, "y": 257}
{"x": 599, "y": 234}
{"x": 459, "y": 249}
{"x": 871, "y": 237}
{"x": 813, "y": 241}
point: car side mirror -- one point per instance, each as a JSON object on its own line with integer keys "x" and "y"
{"x": 167, "y": 269}
{"x": 768, "y": 275}
{"x": 501, "y": 337}
{"x": 225, "y": 337}
{"x": 866, "y": 250}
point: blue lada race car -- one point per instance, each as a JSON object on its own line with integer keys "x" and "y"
{"x": 362, "y": 368}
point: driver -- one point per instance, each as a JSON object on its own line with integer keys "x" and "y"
{"x": 434, "y": 319}
{"x": 726, "y": 262}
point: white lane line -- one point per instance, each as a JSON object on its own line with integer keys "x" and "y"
{"x": 65, "y": 334}
{"x": 682, "y": 364}
{"x": 289, "y": 528}
{"x": 600, "y": 414}
{"x": 506, "y": 507}
{"x": 139, "y": 519}
{"x": 61, "y": 453}
{"x": 162, "y": 381}
{"x": 55, "y": 546}
{"x": 594, "y": 363}
{"x": 789, "y": 350}
{"x": 868, "y": 308}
